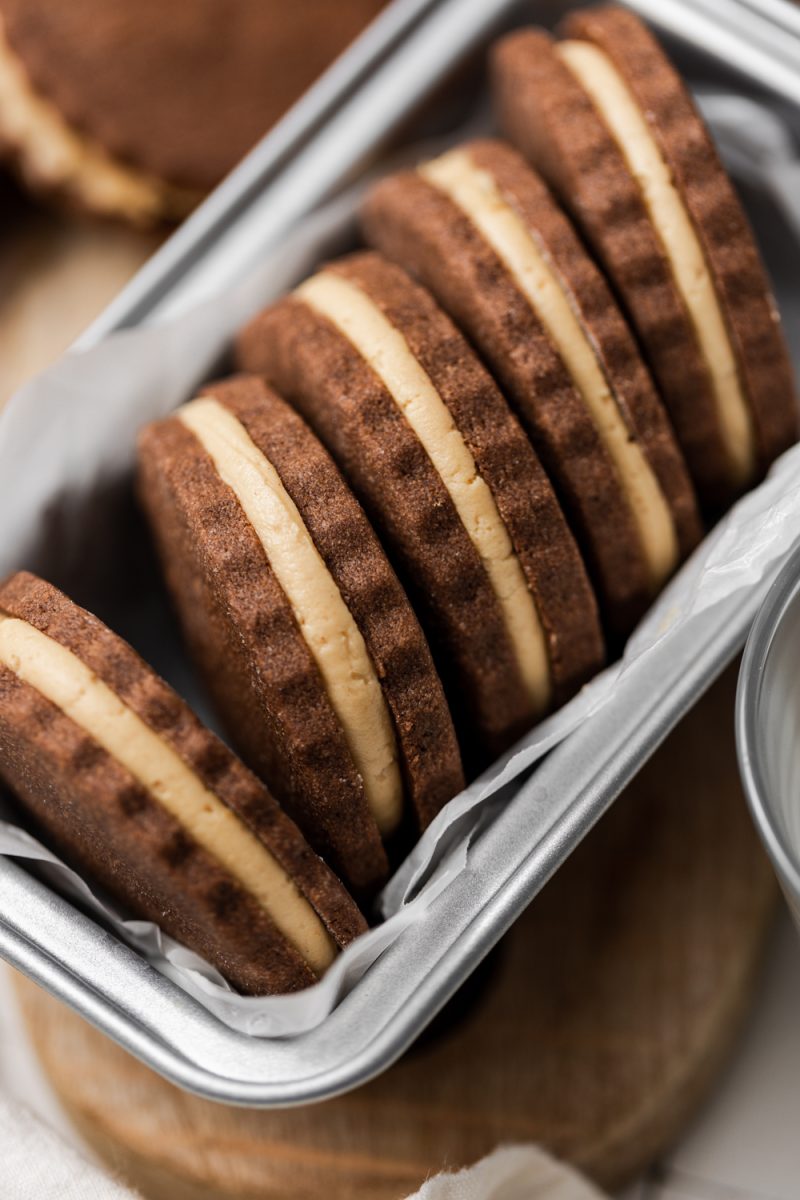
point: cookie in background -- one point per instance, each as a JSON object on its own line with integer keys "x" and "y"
{"x": 137, "y": 110}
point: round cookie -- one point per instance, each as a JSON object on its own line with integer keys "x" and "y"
{"x": 300, "y": 627}
{"x": 482, "y": 231}
{"x": 450, "y": 480}
{"x": 612, "y": 127}
{"x": 131, "y": 787}
{"x": 137, "y": 110}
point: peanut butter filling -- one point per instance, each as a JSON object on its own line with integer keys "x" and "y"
{"x": 628, "y": 126}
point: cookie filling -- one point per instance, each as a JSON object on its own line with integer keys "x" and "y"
{"x": 387, "y": 353}
{"x": 524, "y": 255}
{"x": 55, "y": 155}
{"x": 324, "y": 620}
{"x": 63, "y": 679}
{"x": 628, "y": 126}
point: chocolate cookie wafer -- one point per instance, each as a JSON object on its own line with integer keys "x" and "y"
{"x": 448, "y": 477}
{"x": 131, "y": 787}
{"x": 611, "y": 125}
{"x": 483, "y": 232}
{"x": 301, "y": 629}
{"x": 137, "y": 110}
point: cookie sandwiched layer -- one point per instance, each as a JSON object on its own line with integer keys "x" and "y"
{"x": 610, "y": 124}
{"x": 303, "y": 633}
{"x": 131, "y": 787}
{"x": 450, "y": 481}
{"x": 482, "y": 231}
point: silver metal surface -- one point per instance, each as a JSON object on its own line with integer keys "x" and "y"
{"x": 68, "y": 953}
{"x": 768, "y": 726}
{"x": 738, "y": 35}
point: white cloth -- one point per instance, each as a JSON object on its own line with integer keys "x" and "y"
{"x": 36, "y": 1163}
{"x": 510, "y": 1173}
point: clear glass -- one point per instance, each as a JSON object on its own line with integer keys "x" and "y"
{"x": 768, "y": 727}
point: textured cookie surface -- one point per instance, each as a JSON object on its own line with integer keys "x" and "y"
{"x": 417, "y": 423}
{"x": 480, "y": 229}
{"x": 99, "y": 810}
{"x": 245, "y": 628}
{"x": 709, "y": 325}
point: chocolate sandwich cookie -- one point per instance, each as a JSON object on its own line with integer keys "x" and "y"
{"x": 132, "y": 788}
{"x": 137, "y": 110}
{"x": 612, "y": 127}
{"x": 300, "y": 626}
{"x": 483, "y": 232}
{"x": 449, "y": 479}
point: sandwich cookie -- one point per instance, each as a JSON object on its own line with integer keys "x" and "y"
{"x": 137, "y": 110}
{"x": 450, "y": 481}
{"x": 612, "y": 127}
{"x": 298, "y": 623}
{"x": 137, "y": 792}
{"x": 483, "y": 232}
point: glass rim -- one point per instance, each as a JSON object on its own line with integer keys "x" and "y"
{"x": 781, "y": 599}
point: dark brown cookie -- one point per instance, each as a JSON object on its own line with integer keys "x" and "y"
{"x": 450, "y": 479}
{"x": 482, "y": 231}
{"x": 735, "y": 416}
{"x": 130, "y": 786}
{"x": 139, "y": 109}
{"x": 338, "y": 736}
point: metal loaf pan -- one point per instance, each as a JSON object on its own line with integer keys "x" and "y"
{"x": 324, "y": 142}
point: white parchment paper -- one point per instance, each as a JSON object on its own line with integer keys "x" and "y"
{"x": 67, "y": 446}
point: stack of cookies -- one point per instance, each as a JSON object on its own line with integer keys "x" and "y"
{"x": 452, "y": 470}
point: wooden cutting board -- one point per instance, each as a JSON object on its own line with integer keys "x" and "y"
{"x": 604, "y": 1017}
{"x": 56, "y": 274}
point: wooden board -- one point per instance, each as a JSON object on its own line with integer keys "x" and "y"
{"x": 606, "y": 1014}
{"x": 56, "y": 274}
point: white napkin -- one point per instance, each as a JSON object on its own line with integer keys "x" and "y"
{"x": 36, "y": 1163}
{"x": 510, "y": 1173}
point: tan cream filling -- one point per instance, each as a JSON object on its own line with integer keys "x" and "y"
{"x": 53, "y": 154}
{"x": 386, "y": 351}
{"x": 628, "y": 126}
{"x": 325, "y": 621}
{"x": 60, "y": 676}
{"x": 474, "y": 191}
